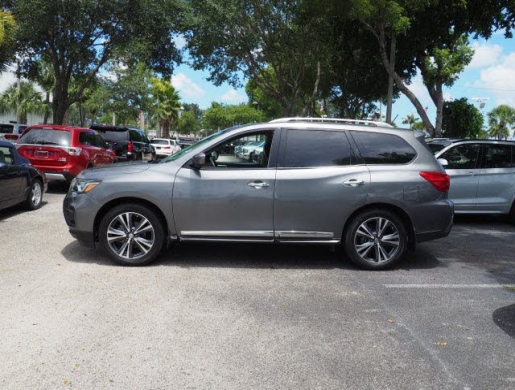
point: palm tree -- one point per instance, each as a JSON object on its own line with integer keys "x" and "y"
{"x": 501, "y": 119}
{"x": 167, "y": 104}
{"x": 409, "y": 120}
{"x": 23, "y": 99}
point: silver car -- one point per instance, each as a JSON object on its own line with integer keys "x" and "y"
{"x": 376, "y": 190}
{"x": 482, "y": 175}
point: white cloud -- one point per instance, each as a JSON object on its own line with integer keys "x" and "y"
{"x": 420, "y": 90}
{"x": 233, "y": 96}
{"x": 500, "y": 80}
{"x": 485, "y": 55}
{"x": 187, "y": 87}
{"x": 6, "y": 80}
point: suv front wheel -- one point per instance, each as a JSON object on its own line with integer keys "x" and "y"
{"x": 131, "y": 234}
{"x": 376, "y": 239}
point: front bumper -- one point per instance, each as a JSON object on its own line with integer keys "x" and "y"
{"x": 79, "y": 213}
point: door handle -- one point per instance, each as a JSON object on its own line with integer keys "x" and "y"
{"x": 258, "y": 184}
{"x": 353, "y": 183}
{"x": 472, "y": 173}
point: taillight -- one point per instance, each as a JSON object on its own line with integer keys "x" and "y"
{"x": 11, "y": 136}
{"x": 129, "y": 147}
{"x": 167, "y": 148}
{"x": 74, "y": 151}
{"x": 440, "y": 181}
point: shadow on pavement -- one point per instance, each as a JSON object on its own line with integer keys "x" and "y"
{"x": 504, "y": 318}
{"x": 58, "y": 187}
{"x": 258, "y": 256}
{"x": 485, "y": 242}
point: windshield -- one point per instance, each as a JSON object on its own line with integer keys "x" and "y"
{"x": 199, "y": 145}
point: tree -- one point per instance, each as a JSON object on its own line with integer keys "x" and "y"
{"x": 433, "y": 31}
{"x": 410, "y": 120}
{"x": 79, "y": 37}
{"x": 461, "y": 119}
{"x": 501, "y": 121}
{"x": 23, "y": 99}
{"x": 220, "y": 116}
{"x": 230, "y": 39}
{"x": 188, "y": 123}
{"x": 7, "y": 42}
{"x": 166, "y": 104}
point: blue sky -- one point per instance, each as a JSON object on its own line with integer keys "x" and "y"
{"x": 490, "y": 77}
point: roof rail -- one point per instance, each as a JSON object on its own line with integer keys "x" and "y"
{"x": 333, "y": 120}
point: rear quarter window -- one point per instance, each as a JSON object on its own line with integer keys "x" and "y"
{"x": 379, "y": 148}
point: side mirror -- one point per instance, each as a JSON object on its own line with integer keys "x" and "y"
{"x": 443, "y": 162}
{"x": 199, "y": 160}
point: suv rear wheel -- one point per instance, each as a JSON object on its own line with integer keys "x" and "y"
{"x": 131, "y": 234}
{"x": 376, "y": 239}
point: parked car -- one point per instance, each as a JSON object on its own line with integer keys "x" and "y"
{"x": 11, "y": 131}
{"x": 437, "y": 144}
{"x": 165, "y": 147}
{"x": 483, "y": 176}
{"x": 20, "y": 182}
{"x": 376, "y": 190}
{"x": 129, "y": 144}
{"x": 62, "y": 152}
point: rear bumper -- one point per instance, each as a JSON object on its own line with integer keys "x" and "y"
{"x": 433, "y": 220}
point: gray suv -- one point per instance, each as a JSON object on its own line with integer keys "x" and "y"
{"x": 376, "y": 190}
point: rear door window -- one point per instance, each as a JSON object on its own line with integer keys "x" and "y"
{"x": 46, "y": 137}
{"x": 86, "y": 138}
{"x": 380, "y": 148}
{"x": 315, "y": 148}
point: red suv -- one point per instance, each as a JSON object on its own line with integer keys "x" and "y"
{"x": 62, "y": 152}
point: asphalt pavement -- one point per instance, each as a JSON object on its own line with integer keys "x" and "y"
{"x": 219, "y": 316}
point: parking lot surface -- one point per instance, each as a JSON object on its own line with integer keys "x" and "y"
{"x": 254, "y": 316}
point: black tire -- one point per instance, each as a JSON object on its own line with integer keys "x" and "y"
{"x": 365, "y": 242}
{"x": 127, "y": 246}
{"x": 35, "y": 197}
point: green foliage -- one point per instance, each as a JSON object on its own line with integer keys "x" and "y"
{"x": 79, "y": 37}
{"x": 220, "y": 116}
{"x": 23, "y": 99}
{"x": 188, "y": 123}
{"x": 7, "y": 42}
{"x": 501, "y": 121}
{"x": 230, "y": 40}
{"x": 166, "y": 104}
{"x": 461, "y": 119}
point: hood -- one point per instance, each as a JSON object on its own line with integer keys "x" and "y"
{"x": 115, "y": 169}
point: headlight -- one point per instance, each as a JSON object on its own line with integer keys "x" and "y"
{"x": 82, "y": 186}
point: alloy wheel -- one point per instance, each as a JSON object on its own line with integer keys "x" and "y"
{"x": 130, "y": 235}
{"x": 377, "y": 240}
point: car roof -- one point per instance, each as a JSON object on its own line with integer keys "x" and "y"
{"x": 332, "y": 120}
{"x": 57, "y": 127}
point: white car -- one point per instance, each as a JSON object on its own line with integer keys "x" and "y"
{"x": 165, "y": 147}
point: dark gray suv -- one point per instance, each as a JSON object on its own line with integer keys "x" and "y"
{"x": 376, "y": 190}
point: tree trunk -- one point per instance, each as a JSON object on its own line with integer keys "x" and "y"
{"x": 47, "y": 113}
{"x": 400, "y": 83}
{"x": 439, "y": 109}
